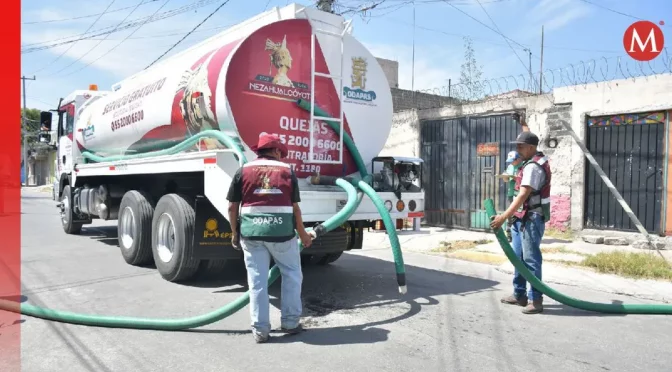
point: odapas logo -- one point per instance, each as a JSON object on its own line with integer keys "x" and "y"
{"x": 644, "y": 40}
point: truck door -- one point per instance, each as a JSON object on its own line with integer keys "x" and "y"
{"x": 66, "y": 124}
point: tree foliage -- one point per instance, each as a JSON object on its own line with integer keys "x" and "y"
{"x": 471, "y": 73}
{"x": 31, "y": 126}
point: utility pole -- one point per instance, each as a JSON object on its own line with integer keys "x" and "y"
{"x": 413, "y": 55}
{"x": 532, "y": 86}
{"x": 23, "y": 130}
{"x": 541, "y": 64}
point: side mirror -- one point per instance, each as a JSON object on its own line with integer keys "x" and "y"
{"x": 45, "y": 121}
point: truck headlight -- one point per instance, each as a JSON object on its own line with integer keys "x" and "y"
{"x": 400, "y": 205}
{"x": 388, "y": 205}
{"x": 412, "y": 205}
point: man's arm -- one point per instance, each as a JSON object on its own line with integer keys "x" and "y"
{"x": 523, "y": 194}
{"x": 235, "y": 197}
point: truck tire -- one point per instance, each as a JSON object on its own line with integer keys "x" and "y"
{"x": 330, "y": 258}
{"x": 134, "y": 227}
{"x": 67, "y": 215}
{"x": 172, "y": 238}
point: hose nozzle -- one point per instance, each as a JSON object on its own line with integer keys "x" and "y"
{"x": 401, "y": 281}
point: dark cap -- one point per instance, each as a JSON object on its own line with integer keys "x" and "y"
{"x": 527, "y": 138}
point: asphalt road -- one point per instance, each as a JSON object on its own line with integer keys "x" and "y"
{"x": 451, "y": 319}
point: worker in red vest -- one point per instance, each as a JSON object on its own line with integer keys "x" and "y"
{"x": 264, "y": 212}
{"x": 531, "y": 210}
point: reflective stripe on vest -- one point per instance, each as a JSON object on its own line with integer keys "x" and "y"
{"x": 267, "y": 212}
{"x": 539, "y": 198}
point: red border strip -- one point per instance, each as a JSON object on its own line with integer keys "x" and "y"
{"x": 10, "y": 193}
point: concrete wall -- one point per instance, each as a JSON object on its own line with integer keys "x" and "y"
{"x": 407, "y": 99}
{"x": 544, "y": 117}
{"x": 391, "y": 70}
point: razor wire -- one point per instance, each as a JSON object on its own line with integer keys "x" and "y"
{"x": 573, "y": 75}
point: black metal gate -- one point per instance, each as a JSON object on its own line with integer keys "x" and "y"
{"x": 630, "y": 149}
{"x": 462, "y": 157}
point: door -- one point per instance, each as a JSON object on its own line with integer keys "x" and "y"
{"x": 461, "y": 159}
{"x": 66, "y": 124}
{"x": 445, "y": 149}
{"x": 630, "y": 150}
{"x": 491, "y": 138}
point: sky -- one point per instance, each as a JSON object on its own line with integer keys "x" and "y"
{"x": 578, "y": 35}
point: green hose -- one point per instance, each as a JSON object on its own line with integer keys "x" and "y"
{"x": 185, "y": 323}
{"x": 368, "y": 190}
{"x": 198, "y": 321}
{"x": 391, "y": 232}
{"x": 349, "y": 143}
{"x": 223, "y": 138}
{"x": 562, "y": 298}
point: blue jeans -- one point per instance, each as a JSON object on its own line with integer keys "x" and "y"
{"x": 527, "y": 246}
{"x": 287, "y": 257}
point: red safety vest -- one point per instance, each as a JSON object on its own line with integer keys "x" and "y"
{"x": 539, "y": 198}
{"x": 267, "y": 211}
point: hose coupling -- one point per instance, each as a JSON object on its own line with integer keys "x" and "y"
{"x": 319, "y": 230}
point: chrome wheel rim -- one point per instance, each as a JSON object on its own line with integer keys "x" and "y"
{"x": 165, "y": 242}
{"x": 127, "y": 228}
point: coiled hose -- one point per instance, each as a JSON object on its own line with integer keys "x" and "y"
{"x": 654, "y": 309}
{"x": 353, "y": 200}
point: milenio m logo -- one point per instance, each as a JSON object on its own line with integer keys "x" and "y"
{"x": 644, "y": 40}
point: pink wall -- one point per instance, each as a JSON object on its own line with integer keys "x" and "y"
{"x": 560, "y": 212}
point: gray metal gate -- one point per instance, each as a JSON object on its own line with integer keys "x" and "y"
{"x": 630, "y": 149}
{"x": 462, "y": 157}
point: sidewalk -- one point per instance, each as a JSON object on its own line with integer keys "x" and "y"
{"x": 559, "y": 255}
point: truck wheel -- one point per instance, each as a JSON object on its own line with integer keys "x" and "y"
{"x": 67, "y": 215}
{"x": 330, "y": 258}
{"x": 172, "y": 238}
{"x": 311, "y": 259}
{"x": 134, "y": 227}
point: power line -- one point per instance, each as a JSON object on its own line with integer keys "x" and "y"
{"x": 614, "y": 11}
{"x": 27, "y": 48}
{"x": 505, "y": 38}
{"x": 121, "y": 42}
{"x": 486, "y": 26}
{"x": 73, "y": 44}
{"x": 86, "y": 16}
{"x": 95, "y": 46}
{"x": 189, "y": 33}
{"x": 161, "y": 35}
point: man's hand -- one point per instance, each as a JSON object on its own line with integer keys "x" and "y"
{"x": 306, "y": 238}
{"x": 235, "y": 241}
{"x": 497, "y": 221}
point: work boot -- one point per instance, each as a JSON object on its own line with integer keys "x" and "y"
{"x": 513, "y": 300}
{"x": 259, "y": 338}
{"x": 292, "y": 331}
{"x": 535, "y": 307}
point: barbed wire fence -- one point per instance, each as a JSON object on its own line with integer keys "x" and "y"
{"x": 576, "y": 75}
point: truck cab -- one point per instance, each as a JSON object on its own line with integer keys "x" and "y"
{"x": 402, "y": 177}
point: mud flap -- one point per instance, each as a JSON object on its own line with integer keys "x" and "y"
{"x": 212, "y": 233}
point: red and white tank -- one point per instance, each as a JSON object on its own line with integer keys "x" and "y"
{"x": 244, "y": 81}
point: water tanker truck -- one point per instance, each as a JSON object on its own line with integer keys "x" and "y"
{"x": 140, "y": 153}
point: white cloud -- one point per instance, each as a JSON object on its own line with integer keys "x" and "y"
{"x": 555, "y": 14}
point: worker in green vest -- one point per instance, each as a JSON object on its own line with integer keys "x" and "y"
{"x": 513, "y": 162}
